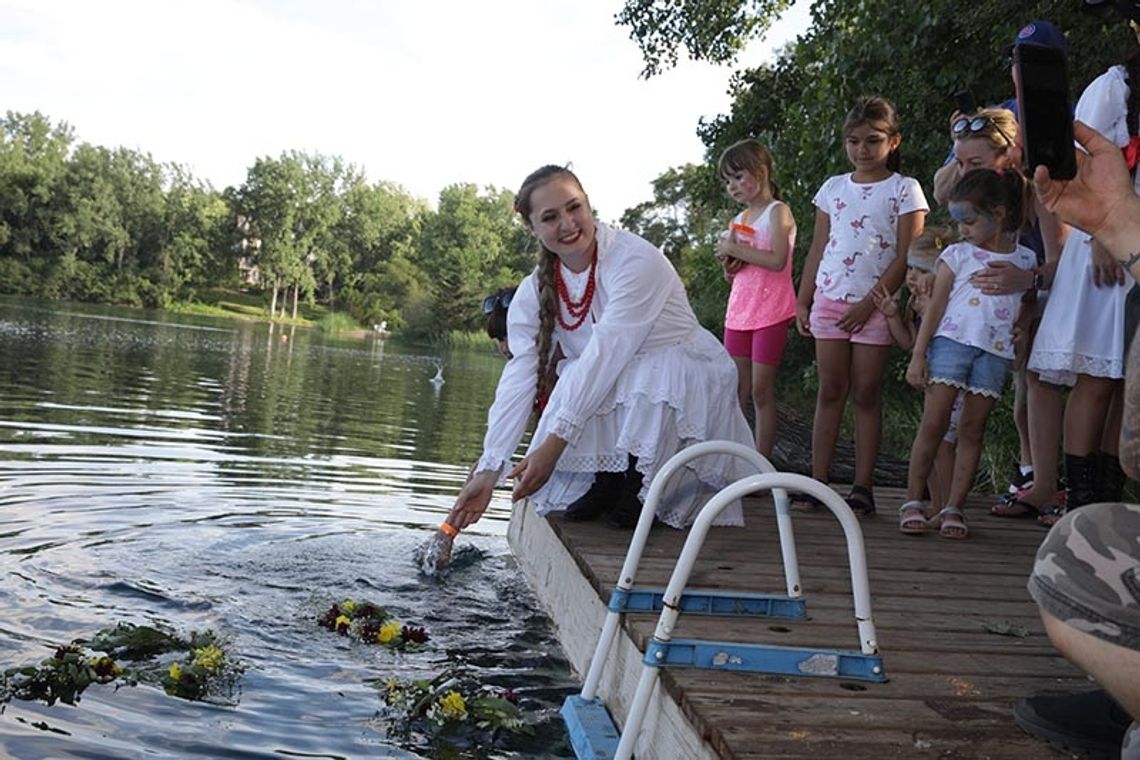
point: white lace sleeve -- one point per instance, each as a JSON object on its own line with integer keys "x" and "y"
{"x": 514, "y": 397}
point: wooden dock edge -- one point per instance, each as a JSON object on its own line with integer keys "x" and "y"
{"x": 577, "y": 611}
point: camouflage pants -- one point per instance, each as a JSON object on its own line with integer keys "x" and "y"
{"x": 1087, "y": 572}
{"x": 1087, "y": 575}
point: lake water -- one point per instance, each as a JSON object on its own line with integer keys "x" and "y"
{"x": 238, "y": 477}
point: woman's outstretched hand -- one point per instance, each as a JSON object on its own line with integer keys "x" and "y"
{"x": 473, "y": 500}
{"x": 535, "y": 468}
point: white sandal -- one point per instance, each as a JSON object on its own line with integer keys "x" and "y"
{"x": 912, "y": 518}
{"x": 955, "y": 530}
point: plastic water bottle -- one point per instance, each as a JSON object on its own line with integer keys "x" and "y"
{"x": 437, "y": 554}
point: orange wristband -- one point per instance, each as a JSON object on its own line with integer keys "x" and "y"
{"x": 449, "y": 529}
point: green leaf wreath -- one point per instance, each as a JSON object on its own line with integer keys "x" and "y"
{"x": 453, "y": 704}
{"x": 195, "y": 668}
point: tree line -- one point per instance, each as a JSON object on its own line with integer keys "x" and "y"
{"x": 112, "y": 225}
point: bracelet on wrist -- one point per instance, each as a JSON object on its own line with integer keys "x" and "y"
{"x": 449, "y": 529}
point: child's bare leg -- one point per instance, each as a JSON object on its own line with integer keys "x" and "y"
{"x": 1021, "y": 416}
{"x": 935, "y": 419}
{"x": 834, "y": 360}
{"x": 764, "y": 402}
{"x": 743, "y": 380}
{"x": 971, "y": 430}
{"x": 1085, "y": 413}
{"x": 867, "y": 365}
{"x": 1045, "y": 409}
{"x": 938, "y": 481}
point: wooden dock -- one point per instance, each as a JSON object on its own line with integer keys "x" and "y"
{"x": 947, "y": 615}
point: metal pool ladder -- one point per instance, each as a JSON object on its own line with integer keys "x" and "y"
{"x": 591, "y": 729}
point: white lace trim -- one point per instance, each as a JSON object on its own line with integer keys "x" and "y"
{"x": 964, "y": 387}
{"x": 1068, "y": 364}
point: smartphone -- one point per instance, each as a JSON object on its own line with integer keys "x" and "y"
{"x": 1041, "y": 77}
{"x": 964, "y": 102}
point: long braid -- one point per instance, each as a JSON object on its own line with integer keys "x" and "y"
{"x": 1132, "y": 66}
{"x": 547, "y": 293}
{"x": 547, "y": 313}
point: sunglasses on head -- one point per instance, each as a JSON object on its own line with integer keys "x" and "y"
{"x": 974, "y": 124}
{"x": 490, "y": 303}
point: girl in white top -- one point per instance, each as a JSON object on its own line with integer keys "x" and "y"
{"x": 966, "y": 341}
{"x": 863, "y": 219}
{"x": 641, "y": 378}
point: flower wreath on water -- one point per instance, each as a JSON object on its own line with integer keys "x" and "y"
{"x": 196, "y": 668}
{"x": 453, "y": 704}
{"x": 372, "y": 624}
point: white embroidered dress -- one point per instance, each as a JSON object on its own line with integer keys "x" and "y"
{"x": 641, "y": 377}
{"x": 1082, "y": 329}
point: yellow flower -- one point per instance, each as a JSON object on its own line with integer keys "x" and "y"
{"x": 342, "y": 620}
{"x": 176, "y": 671}
{"x": 453, "y": 705}
{"x": 208, "y": 657}
{"x": 388, "y": 631}
{"x": 348, "y": 606}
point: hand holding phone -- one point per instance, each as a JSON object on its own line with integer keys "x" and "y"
{"x": 964, "y": 102}
{"x": 1042, "y": 80}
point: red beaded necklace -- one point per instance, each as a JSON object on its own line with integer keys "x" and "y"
{"x": 578, "y": 310}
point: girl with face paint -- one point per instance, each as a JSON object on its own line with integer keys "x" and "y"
{"x": 966, "y": 341}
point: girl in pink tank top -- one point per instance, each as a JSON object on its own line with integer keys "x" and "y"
{"x": 756, "y": 254}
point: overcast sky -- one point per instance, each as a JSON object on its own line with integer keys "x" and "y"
{"x": 417, "y": 92}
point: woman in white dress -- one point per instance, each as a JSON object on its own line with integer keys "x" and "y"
{"x": 1080, "y": 342}
{"x": 641, "y": 379}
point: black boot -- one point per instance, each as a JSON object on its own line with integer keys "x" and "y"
{"x": 601, "y": 497}
{"x": 1080, "y": 474}
{"x": 1110, "y": 478}
{"x": 1087, "y": 722}
{"x": 628, "y": 509}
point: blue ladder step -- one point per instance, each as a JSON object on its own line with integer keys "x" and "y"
{"x": 764, "y": 658}
{"x": 703, "y": 602}
{"x": 592, "y": 732}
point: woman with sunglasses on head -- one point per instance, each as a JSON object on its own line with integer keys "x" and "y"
{"x": 987, "y": 139}
{"x": 641, "y": 379}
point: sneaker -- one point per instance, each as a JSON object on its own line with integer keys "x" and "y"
{"x": 1020, "y": 483}
{"x": 1088, "y": 722}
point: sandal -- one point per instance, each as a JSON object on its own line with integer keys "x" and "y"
{"x": 804, "y": 502}
{"x": 1051, "y": 515}
{"x": 912, "y": 518}
{"x": 861, "y": 501}
{"x": 1014, "y": 507}
{"x": 951, "y": 523}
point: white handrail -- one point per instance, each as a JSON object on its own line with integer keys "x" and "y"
{"x": 671, "y": 610}
{"x": 645, "y": 523}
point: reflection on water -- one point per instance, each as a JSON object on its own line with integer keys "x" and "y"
{"x": 241, "y": 478}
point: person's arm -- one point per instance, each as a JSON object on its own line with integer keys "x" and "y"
{"x": 888, "y": 305}
{"x": 1100, "y": 199}
{"x": 944, "y": 180}
{"x": 782, "y": 227}
{"x": 916, "y": 373}
{"x": 820, "y": 235}
{"x": 909, "y": 227}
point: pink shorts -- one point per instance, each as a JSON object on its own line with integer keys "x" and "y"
{"x": 825, "y": 313}
{"x": 764, "y": 346}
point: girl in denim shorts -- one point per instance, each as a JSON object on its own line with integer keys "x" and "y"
{"x": 966, "y": 341}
